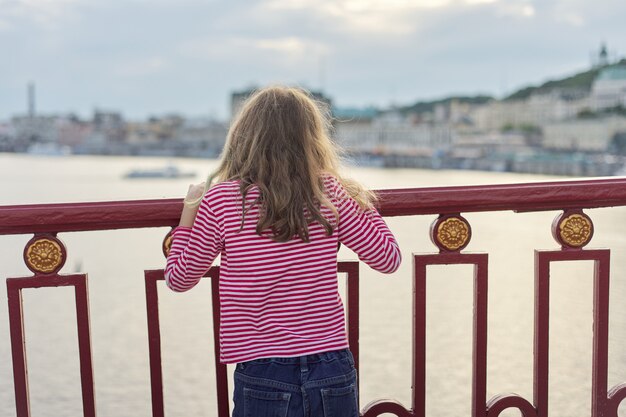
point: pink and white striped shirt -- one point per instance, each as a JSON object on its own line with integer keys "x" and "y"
{"x": 277, "y": 298}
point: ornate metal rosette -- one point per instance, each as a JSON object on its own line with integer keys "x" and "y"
{"x": 451, "y": 233}
{"x": 572, "y": 229}
{"x": 45, "y": 254}
{"x": 167, "y": 243}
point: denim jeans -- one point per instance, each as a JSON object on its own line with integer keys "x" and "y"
{"x": 318, "y": 385}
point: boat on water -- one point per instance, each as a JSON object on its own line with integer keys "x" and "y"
{"x": 169, "y": 171}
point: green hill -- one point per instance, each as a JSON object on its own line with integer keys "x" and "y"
{"x": 580, "y": 81}
{"x": 429, "y": 106}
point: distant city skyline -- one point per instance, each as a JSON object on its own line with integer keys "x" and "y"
{"x": 149, "y": 58}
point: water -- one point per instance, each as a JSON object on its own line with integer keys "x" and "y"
{"x": 115, "y": 261}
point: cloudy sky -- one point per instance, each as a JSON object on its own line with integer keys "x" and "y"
{"x": 147, "y": 57}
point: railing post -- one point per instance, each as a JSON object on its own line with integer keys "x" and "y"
{"x": 18, "y": 350}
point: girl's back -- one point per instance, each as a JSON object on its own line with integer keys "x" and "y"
{"x": 277, "y": 298}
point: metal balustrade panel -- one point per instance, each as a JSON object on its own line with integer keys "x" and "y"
{"x": 543, "y": 260}
{"x": 18, "y": 340}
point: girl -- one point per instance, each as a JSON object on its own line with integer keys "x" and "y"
{"x": 276, "y": 210}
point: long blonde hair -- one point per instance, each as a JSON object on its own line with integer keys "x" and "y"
{"x": 280, "y": 143}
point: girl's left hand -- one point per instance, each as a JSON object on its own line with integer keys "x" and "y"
{"x": 188, "y": 215}
{"x": 194, "y": 192}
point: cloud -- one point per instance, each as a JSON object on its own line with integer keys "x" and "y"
{"x": 518, "y": 9}
{"x": 481, "y": 1}
{"x": 368, "y": 6}
{"x": 370, "y": 17}
{"x": 393, "y": 18}
{"x": 48, "y": 14}
{"x": 266, "y": 55}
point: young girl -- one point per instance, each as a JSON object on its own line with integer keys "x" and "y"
{"x": 276, "y": 210}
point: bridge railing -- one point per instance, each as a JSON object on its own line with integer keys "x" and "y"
{"x": 45, "y": 255}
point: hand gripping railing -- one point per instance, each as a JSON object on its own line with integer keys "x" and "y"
{"x": 45, "y": 255}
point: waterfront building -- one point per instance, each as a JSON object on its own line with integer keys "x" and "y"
{"x": 460, "y": 113}
{"x": 203, "y": 133}
{"x": 594, "y": 134}
{"x": 141, "y": 134}
{"x": 109, "y": 124}
{"x": 609, "y": 88}
{"x": 507, "y": 142}
{"x": 107, "y": 134}
{"x": 49, "y": 130}
{"x": 35, "y": 129}
{"x": 537, "y": 110}
{"x": 391, "y": 132}
{"x": 7, "y": 137}
{"x": 152, "y": 137}
{"x": 72, "y": 131}
{"x": 177, "y": 136}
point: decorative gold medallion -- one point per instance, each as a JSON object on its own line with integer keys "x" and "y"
{"x": 44, "y": 255}
{"x": 451, "y": 233}
{"x": 575, "y": 230}
{"x": 167, "y": 243}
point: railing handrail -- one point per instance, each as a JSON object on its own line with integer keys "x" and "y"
{"x": 519, "y": 197}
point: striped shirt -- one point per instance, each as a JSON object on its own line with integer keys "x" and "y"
{"x": 277, "y": 298}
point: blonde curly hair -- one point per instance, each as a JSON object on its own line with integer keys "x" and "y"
{"x": 280, "y": 142}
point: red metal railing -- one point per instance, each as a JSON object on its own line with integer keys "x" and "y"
{"x": 45, "y": 255}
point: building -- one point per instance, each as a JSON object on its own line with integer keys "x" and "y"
{"x": 72, "y": 131}
{"x": 609, "y": 88}
{"x": 537, "y": 110}
{"x": 595, "y": 135}
{"x": 31, "y": 129}
{"x": 601, "y": 57}
{"x": 204, "y": 135}
{"x": 7, "y": 137}
{"x": 110, "y": 125}
{"x": 391, "y": 132}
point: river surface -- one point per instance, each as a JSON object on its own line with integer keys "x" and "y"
{"x": 115, "y": 261}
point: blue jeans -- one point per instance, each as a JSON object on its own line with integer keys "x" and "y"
{"x": 318, "y": 385}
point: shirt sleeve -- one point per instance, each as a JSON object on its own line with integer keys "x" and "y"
{"x": 366, "y": 233}
{"x": 193, "y": 250}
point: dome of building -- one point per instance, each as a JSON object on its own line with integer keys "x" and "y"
{"x": 613, "y": 73}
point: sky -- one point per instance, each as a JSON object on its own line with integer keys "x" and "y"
{"x": 153, "y": 57}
